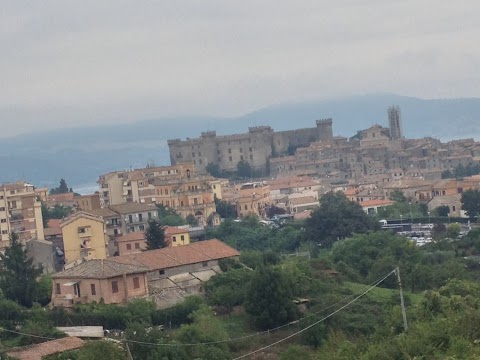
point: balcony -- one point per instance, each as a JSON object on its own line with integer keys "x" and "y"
{"x": 16, "y": 218}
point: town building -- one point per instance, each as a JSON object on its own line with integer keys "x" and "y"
{"x": 167, "y": 275}
{"x": 131, "y": 243}
{"x": 255, "y": 147}
{"x": 84, "y": 237}
{"x": 252, "y": 198}
{"x": 125, "y": 218}
{"x": 46, "y": 349}
{"x": 88, "y": 202}
{"x": 20, "y": 212}
{"x": 395, "y": 122}
{"x": 177, "y": 187}
{"x": 99, "y": 280}
{"x": 176, "y": 236}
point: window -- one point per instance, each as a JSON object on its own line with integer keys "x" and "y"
{"x": 136, "y": 283}
{"x": 130, "y": 219}
{"x": 141, "y": 228}
{"x": 205, "y": 263}
{"x": 241, "y": 150}
{"x": 3, "y": 220}
{"x": 230, "y": 158}
{"x": 241, "y": 157}
{"x": 58, "y": 290}
{"x": 137, "y": 245}
{"x": 4, "y": 232}
{"x": 114, "y": 287}
{"x": 149, "y": 216}
{"x": 140, "y": 217}
{"x": 193, "y": 154}
{"x": 93, "y": 290}
{"x": 161, "y": 272}
{"x": 182, "y": 237}
{"x": 129, "y": 246}
{"x": 250, "y": 149}
{"x": 2, "y": 209}
{"x": 81, "y": 230}
{"x": 229, "y": 151}
{"x": 12, "y": 192}
{"x": 174, "y": 238}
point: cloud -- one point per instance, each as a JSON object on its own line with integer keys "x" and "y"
{"x": 70, "y": 63}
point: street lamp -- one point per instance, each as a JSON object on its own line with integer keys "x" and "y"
{"x": 411, "y": 214}
{"x": 401, "y": 220}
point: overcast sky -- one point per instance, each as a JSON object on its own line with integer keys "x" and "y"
{"x": 66, "y": 62}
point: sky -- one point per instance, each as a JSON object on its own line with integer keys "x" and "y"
{"x": 72, "y": 63}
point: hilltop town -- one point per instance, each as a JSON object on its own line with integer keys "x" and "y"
{"x": 163, "y": 233}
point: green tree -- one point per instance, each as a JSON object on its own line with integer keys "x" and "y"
{"x": 453, "y": 231}
{"x": 61, "y": 189}
{"x": 169, "y": 217}
{"x": 439, "y": 232}
{"x": 244, "y": 170}
{"x": 398, "y": 196}
{"x": 155, "y": 235}
{"x": 471, "y": 202}
{"x": 18, "y": 274}
{"x": 337, "y": 218}
{"x": 269, "y": 298}
{"x": 191, "y": 220}
{"x": 214, "y": 170}
{"x": 225, "y": 209}
{"x": 101, "y": 350}
{"x": 442, "y": 211}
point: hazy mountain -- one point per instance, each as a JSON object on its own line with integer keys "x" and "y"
{"x": 81, "y": 154}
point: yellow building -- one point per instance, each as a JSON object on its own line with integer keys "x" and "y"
{"x": 175, "y": 236}
{"x": 84, "y": 237}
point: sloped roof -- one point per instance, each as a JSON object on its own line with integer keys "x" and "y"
{"x": 100, "y": 269}
{"x": 172, "y": 230}
{"x": 132, "y": 236}
{"x": 80, "y": 214}
{"x": 38, "y": 351}
{"x": 303, "y": 200}
{"x": 132, "y": 207}
{"x": 383, "y": 202}
{"x": 103, "y": 212}
{"x": 181, "y": 255}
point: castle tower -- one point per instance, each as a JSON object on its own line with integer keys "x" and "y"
{"x": 395, "y": 122}
{"x": 324, "y": 128}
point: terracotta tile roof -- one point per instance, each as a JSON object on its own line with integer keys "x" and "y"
{"x": 100, "y": 269}
{"x": 132, "y": 236}
{"x": 384, "y": 202}
{"x": 38, "y": 351}
{"x": 181, "y": 255}
{"x": 303, "y": 200}
{"x": 302, "y": 215}
{"x": 103, "y": 212}
{"x": 54, "y": 223}
{"x": 172, "y": 230}
{"x": 52, "y": 231}
{"x": 60, "y": 197}
{"x": 78, "y": 215}
{"x": 128, "y": 208}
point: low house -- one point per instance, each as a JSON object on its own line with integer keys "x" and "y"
{"x": 169, "y": 261}
{"x": 94, "y": 280}
{"x": 300, "y": 204}
{"x": 372, "y": 206}
{"x": 454, "y": 203}
{"x": 39, "y": 351}
{"x": 131, "y": 243}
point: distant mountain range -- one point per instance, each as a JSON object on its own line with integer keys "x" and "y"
{"x": 81, "y": 154}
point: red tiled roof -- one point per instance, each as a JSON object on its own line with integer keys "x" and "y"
{"x": 132, "y": 236}
{"x": 54, "y": 223}
{"x": 52, "y": 231}
{"x": 181, "y": 255}
{"x": 172, "y": 230}
{"x": 384, "y": 202}
{"x": 38, "y": 351}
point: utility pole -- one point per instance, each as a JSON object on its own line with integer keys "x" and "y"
{"x": 404, "y": 311}
{"x": 129, "y": 354}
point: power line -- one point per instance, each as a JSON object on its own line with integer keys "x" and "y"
{"x": 315, "y": 323}
{"x": 31, "y": 335}
{"x": 374, "y": 284}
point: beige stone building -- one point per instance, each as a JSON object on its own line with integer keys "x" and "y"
{"x": 88, "y": 202}
{"x": 84, "y": 237}
{"x": 256, "y": 147}
{"x": 20, "y": 212}
{"x": 131, "y": 243}
{"x": 252, "y": 199}
{"x": 177, "y": 187}
{"x": 97, "y": 280}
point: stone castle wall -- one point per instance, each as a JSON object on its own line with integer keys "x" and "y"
{"x": 256, "y": 147}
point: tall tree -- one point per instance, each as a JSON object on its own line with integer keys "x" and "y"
{"x": 269, "y": 298}
{"x": 471, "y": 202}
{"x": 244, "y": 169}
{"x": 155, "y": 235}
{"x": 18, "y": 274}
{"x": 61, "y": 189}
{"x": 337, "y": 218}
